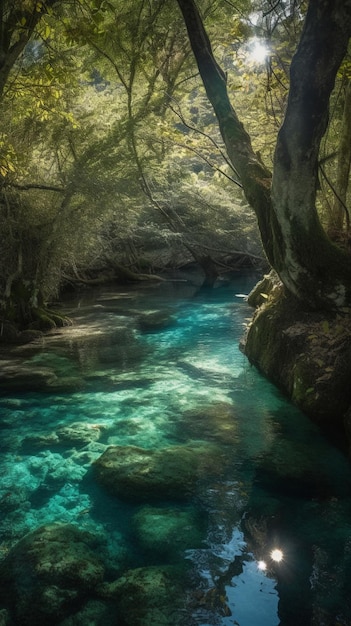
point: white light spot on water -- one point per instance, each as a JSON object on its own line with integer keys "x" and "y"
{"x": 262, "y": 565}
{"x": 277, "y": 555}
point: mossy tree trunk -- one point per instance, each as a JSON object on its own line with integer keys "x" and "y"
{"x": 311, "y": 267}
{"x": 339, "y": 215}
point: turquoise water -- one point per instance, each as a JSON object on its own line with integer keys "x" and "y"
{"x": 118, "y": 378}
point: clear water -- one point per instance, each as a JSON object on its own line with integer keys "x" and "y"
{"x": 278, "y": 485}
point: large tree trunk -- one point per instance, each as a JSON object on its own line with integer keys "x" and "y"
{"x": 309, "y": 264}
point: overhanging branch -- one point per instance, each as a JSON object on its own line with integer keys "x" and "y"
{"x": 40, "y": 186}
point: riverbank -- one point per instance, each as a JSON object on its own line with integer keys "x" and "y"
{"x": 307, "y": 354}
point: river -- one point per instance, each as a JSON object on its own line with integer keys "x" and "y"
{"x": 263, "y": 539}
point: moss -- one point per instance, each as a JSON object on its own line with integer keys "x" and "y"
{"x": 45, "y": 319}
{"x": 306, "y": 354}
{"x": 304, "y": 392}
{"x": 172, "y": 473}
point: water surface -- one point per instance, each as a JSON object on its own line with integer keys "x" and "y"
{"x": 175, "y": 378}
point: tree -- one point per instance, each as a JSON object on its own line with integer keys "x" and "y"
{"x": 310, "y": 266}
{"x": 18, "y": 21}
{"x": 339, "y": 213}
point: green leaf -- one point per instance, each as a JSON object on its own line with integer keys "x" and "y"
{"x": 325, "y": 326}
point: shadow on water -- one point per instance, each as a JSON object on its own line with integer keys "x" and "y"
{"x": 207, "y": 498}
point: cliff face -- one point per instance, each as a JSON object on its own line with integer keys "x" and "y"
{"x": 307, "y": 354}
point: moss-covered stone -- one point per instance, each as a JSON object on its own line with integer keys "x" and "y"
{"x": 168, "y": 531}
{"x": 48, "y": 572}
{"x": 305, "y": 353}
{"x": 215, "y": 422}
{"x": 168, "y": 473}
{"x": 148, "y": 596}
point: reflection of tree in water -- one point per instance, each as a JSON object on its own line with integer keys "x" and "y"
{"x": 212, "y": 570}
{"x": 314, "y": 536}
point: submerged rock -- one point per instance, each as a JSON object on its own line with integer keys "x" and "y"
{"x": 79, "y": 433}
{"x": 27, "y": 376}
{"x": 168, "y": 531}
{"x": 147, "y": 596}
{"x": 168, "y": 473}
{"x": 93, "y": 613}
{"x": 50, "y": 570}
{"x": 156, "y": 320}
{"x": 214, "y": 422}
{"x": 16, "y": 376}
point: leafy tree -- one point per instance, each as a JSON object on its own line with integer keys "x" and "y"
{"x": 107, "y": 146}
{"x": 311, "y": 267}
{"x": 147, "y": 68}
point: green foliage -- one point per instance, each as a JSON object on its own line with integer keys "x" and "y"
{"x": 107, "y": 144}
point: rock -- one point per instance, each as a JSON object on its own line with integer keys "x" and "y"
{"x": 214, "y": 422}
{"x": 65, "y": 384}
{"x": 147, "y": 596}
{"x": 168, "y": 473}
{"x": 168, "y": 531}
{"x": 4, "y": 618}
{"x": 28, "y": 335}
{"x": 11, "y": 335}
{"x": 78, "y": 434}
{"x": 93, "y": 613}
{"x": 50, "y": 570}
{"x": 269, "y": 285}
{"x": 121, "y": 348}
{"x": 307, "y": 354}
{"x": 25, "y": 377}
{"x": 156, "y": 320}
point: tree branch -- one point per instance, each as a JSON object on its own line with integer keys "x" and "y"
{"x": 254, "y": 176}
{"x": 36, "y": 186}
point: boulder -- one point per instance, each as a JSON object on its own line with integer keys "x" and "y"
{"x": 148, "y": 596}
{"x": 170, "y": 473}
{"x": 215, "y": 422}
{"x": 49, "y": 571}
{"x": 305, "y": 353}
{"x": 168, "y": 531}
{"x": 93, "y": 613}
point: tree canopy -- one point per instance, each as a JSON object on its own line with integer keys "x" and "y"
{"x": 111, "y": 155}
{"x": 310, "y": 266}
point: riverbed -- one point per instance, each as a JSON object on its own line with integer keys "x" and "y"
{"x": 260, "y": 535}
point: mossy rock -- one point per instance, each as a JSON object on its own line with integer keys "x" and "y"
{"x": 49, "y": 571}
{"x": 215, "y": 422}
{"x": 169, "y": 473}
{"x": 305, "y": 353}
{"x": 169, "y": 531}
{"x": 148, "y": 596}
{"x": 93, "y": 613}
